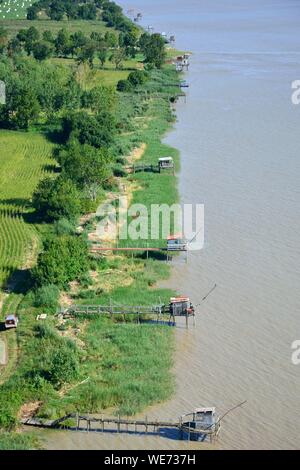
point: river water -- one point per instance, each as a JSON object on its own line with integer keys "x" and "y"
{"x": 238, "y": 134}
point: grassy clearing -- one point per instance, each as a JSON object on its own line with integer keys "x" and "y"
{"x": 25, "y": 160}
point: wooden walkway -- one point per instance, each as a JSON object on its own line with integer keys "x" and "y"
{"x": 158, "y": 311}
{"x": 92, "y": 424}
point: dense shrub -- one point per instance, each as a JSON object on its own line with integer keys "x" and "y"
{"x": 64, "y": 227}
{"x": 124, "y": 86}
{"x": 64, "y": 366}
{"x": 64, "y": 259}
{"x": 56, "y": 198}
{"x": 46, "y": 297}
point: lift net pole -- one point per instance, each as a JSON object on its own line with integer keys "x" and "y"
{"x": 207, "y": 295}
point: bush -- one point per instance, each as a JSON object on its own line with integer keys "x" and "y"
{"x": 64, "y": 259}
{"x": 65, "y": 366}
{"x": 55, "y": 199}
{"x": 64, "y": 227}
{"x": 138, "y": 77}
{"x": 119, "y": 171}
{"x": 124, "y": 86}
{"x": 85, "y": 280}
{"x": 46, "y": 297}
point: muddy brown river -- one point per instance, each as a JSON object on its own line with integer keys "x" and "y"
{"x": 238, "y": 134}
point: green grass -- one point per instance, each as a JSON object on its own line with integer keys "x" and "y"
{"x": 16, "y": 441}
{"x": 87, "y": 27}
{"x": 125, "y": 367}
{"x": 14, "y": 9}
{"x": 24, "y": 160}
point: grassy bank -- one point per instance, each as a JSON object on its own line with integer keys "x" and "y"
{"x": 17, "y": 441}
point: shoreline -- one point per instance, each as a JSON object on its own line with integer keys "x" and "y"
{"x": 160, "y": 123}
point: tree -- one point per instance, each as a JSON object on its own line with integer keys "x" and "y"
{"x": 22, "y": 107}
{"x": 87, "y": 54}
{"x": 111, "y": 39}
{"x": 14, "y": 47}
{"x": 117, "y": 58}
{"x": 56, "y": 10}
{"x": 87, "y": 11}
{"x": 48, "y": 36}
{"x": 63, "y": 260}
{"x": 98, "y": 131}
{"x": 28, "y": 37}
{"x": 63, "y": 45}
{"x": 86, "y": 166}
{"x": 102, "y": 55}
{"x": 41, "y": 50}
{"x": 138, "y": 77}
{"x": 32, "y": 13}
{"x": 56, "y": 198}
{"x": 78, "y": 40}
{"x": 71, "y": 10}
{"x": 101, "y": 98}
{"x": 153, "y": 48}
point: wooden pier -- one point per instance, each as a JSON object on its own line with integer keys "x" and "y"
{"x": 158, "y": 313}
{"x": 87, "y": 423}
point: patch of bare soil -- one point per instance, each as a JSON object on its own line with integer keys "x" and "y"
{"x": 28, "y": 410}
{"x": 137, "y": 153}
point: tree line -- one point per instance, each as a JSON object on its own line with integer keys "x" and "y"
{"x": 58, "y": 10}
{"x": 82, "y": 48}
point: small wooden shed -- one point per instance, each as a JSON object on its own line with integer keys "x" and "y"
{"x": 181, "y": 306}
{"x": 176, "y": 243}
{"x": 166, "y": 163}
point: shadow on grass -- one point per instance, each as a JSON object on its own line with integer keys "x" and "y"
{"x": 19, "y": 282}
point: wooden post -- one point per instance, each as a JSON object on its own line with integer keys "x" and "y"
{"x": 146, "y": 424}
{"x": 77, "y": 421}
{"x": 119, "y": 424}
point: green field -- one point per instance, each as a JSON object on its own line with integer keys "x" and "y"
{"x": 23, "y": 162}
{"x": 11, "y": 9}
{"x": 87, "y": 27}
